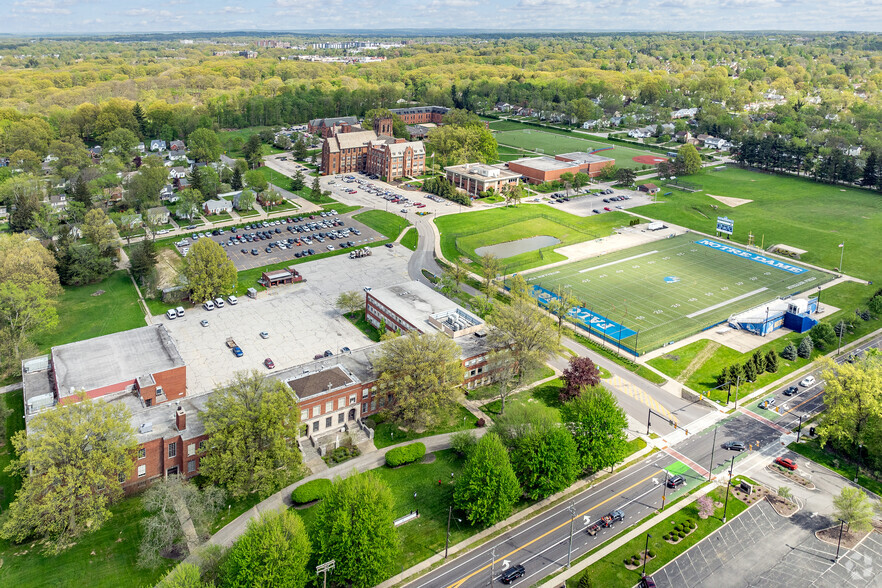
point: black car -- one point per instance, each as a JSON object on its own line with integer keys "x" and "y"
{"x": 676, "y": 481}
{"x": 734, "y": 446}
{"x": 595, "y": 211}
{"x": 244, "y": 250}
{"x": 512, "y": 574}
{"x": 389, "y": 245}
{"x": 328, "y": 353}
{"x": 254, "y": 252}
{"x": 791, "y": 391}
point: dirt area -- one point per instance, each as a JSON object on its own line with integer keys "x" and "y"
{"x": 730, "y": 201}
{"x": 850, "y": 538}
{"x": 783, "y": 507}
{"x": 168, "y": 265}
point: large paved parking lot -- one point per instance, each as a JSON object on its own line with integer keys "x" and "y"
{"x": 300, "y": 318}
{"x": 587, "y": 204}
{"x": 282, "y": 230}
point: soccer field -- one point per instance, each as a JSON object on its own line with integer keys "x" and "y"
{"x": 653, "y": 294}
{"x": 554, "y": 144}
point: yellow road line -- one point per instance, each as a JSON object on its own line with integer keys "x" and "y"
{"x": 641, "y": 396}
{"x": 510, "y": 553}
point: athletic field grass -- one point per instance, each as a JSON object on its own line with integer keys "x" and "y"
{"x": 660, "y": 292}
{"x": 785, "y": 210}
{"x": 554, "y": 144}
{"x": 462, "y": 233}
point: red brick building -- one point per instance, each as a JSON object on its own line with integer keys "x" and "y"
{"x": 328, "y": 127}
{"x": 537, "y": 170}
{"x": 365, "y": 151}
{"x": 421, "y": 114}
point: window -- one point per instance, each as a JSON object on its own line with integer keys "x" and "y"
{"x": 172, "y": 449}
{"x": 373, "y": 404}
{"x": 352, "y": 400}
{"x": 191, "y": 450}
{"x": 328, "y": 422}
{"x": 142, "y": 453}
{"x": 202, "y": 446}
{"x": 304, "y": 414}
{"x": 315, "y": 426}
{"x": 364, "y": 393}
{"x": 191, "y": 466}
{"x": 364, "y": 407}
{"x": 341, "y": 402}
{"x": 142, "y": 471}
{"x": 341, "y": 418}
{"x": 316, "y": 410}
{"x": 121, "y": 478}
{"x": 329, "y": 406}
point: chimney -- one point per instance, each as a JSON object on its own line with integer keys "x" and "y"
{"x": 180, "y": 419}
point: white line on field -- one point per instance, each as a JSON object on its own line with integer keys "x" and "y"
{"x": 619, "y": 261}
{"x": 725, "y": 302}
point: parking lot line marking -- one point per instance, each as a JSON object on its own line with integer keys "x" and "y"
{"x": 543, "y": 535}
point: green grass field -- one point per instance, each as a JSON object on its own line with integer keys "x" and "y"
{"x": 683, "y": 288}
{"x": 785, "y": 210}
{"x": 461, "y": 234}
{"x": 384, "y": 222}
{"x": 554, "y": 144}
{"x": 410, "y": 239}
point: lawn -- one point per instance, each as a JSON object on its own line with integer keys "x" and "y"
{"x": 273, "y": 177}
{"x": 547, "y": 394}
{"x": 555, "y": 144}
{"x": 228, "y": 138}
{"x": 785, "y": 210}
{"x": 248, "y": 213}
{"x": 610, "y": 572}
{"x": 283, "y": 207}
{"x": 357, "y": 319}
{"x": 676, "y": 361}
{"x": 492, "y": 390}
{"x": 220, "y": 217}
{"x": 461, "y": 234}
{"x": 686, "y": 287}
{"x": 410, "y": 239}
{"x": 387, "y": 433}
{"x": 384, "y": 222}
{"x": 83, "y": 316}
{"x": 10, "y": 484}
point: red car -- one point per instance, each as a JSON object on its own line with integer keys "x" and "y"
{"x": 786, "y": 463}
{"x": 607, "y": 208}
{"x": 269, "y": 363}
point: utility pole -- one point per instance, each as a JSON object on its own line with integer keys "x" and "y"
{"x": 447, "y": 541}
{"x": 328, "y": 565}
{"x": 799, "y": 430}
{"x": 728, "y": 485}
{"x": 841, "y": 326}
{"x": 492, "y": 561}
{"x": 572, "y": 520}
{"x": 664, "y": 491}
{"x": 710, "y": 470}
{"x": 737, "y": 384}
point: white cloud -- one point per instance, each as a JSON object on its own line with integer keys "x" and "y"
{"x": 236, "y": 10}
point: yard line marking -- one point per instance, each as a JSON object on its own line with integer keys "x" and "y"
{"x": 545, "y": 534}
{"x": 640, "y": 395}
{"x": 588, "y": 269}
{"x": 725, "y": 302}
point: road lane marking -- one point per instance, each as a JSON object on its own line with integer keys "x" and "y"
{"x": 640, "y": 395}
{"x": 803, "y": 402}
{"x": 543, "y": 535}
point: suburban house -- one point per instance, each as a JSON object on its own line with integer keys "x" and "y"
{"x": 168, "y": 194}
{"x": 237, "y": 197}
{"x": 58, "y": 202}
{"x": 684, "y": 113}
{"x": 217, "y": 207}
{"x": 686, "y": 138}
{"x": 642, "y": 133}
{"x": 177, "y": 146}
{"x": 158, "y": 215}
{"x": 114, "y": 194}
{"x": 648, "y": 188}
{"x": 157, "y": 145}
{"x": 591, "y": 124}
{"x": 717, "y": 143}
{"x": 616, "y": 121}
{"x": 177, "y": 173}
{"x": 474, "y": 178}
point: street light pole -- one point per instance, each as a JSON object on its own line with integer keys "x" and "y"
{"x": 728, "y": 485}
{"x": 841, "y": 326}
{"x": 447, "y": 541}
{"x": 799, "y": 430}
{"x": 645, "y": 556}
{"x": 664, "y": 491}
{"x": 572, "y": 520}
{"x": 328, "y": 565}
{"x": 648, "y": 418}
{"x": 710, "y": 470}
{"x": 838, "y": 543}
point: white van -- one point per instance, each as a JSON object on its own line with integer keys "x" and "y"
{"x": 218, "y": 302}
{"x": 208, "y": 305}
{"x": 171, "y": 314}
{"x": 180, "y": 311}
{"x": 232, "y": 300}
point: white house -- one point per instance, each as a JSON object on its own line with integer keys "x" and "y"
{"x": 684, "y": 113}
{"x": 641, "y": 133}
{"x": 217, "y": 206}
{"x": 177, "y": 173}
{"x": 157, "y": 145}
{"x": 158, "y": 215}
{"x": 590, "y": 124}
{"x": 717, "y": 143}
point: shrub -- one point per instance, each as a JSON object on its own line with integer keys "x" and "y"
{"x": 627, "y": 562}
{"x": 585, "y": 581}
{"x": 650, "y": 553}
{"x": 462, "y": 442}
{"x": 406, "y": 454}
{"x": 789, "y": 352}
{"x": 313, "y": 490}
{"x": 681, "y": 534}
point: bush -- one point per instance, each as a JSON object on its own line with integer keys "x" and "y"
{"x": 650, "y": 553}
{"x": 789, "y": 352}
{"x": 681, "y": 534}
{"x": 666, "y": 537}
{"x": 313, "y": 490}
{"x": 585, "y": 581}
{"x": 462, "y": 442}
{"x": 404, "y": 455}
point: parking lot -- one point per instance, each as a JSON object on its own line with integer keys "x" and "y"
{"x": 586, "y": 205}
{"x": 371, "y": 193}
{"x": 300, "y": 319}
{"x": 278, "y": 240}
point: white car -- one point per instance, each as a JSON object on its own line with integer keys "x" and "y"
{"x": 807, "y": 381}
{"x": 232, "y": 300}
{"x": 219, "y": 302}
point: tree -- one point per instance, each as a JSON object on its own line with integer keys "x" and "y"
{"x": 298, "y": 150}
{"x": 789, "y": 352}
{"x": 759, "y": 361}
{"x": 525, "y": 329}
{"x": 853, "y": 507}
{"x": 422, "y": 372}
{"x": 560, "y": 305}
{"x": 566, "y": 179}
{"x": 273, "y": 551}
{"x": 350, "y": 302}
{"x": 252, "y": 150}
{"x": 598, "y": 425}
{"x": 236, "y": 182}
{"x": 546, "y": 461}
{"x": 875, "y": 306}
{"x": 143, "y": 258}
{"x": 490, "y": 266}
{"x": 462, "y": 144}
{"x": 25, "y": 160}
{"x": 688, "y": 160}
{"x": 24, "y": 310}
{"x": 771, "y": 361}
{"x": 206, "y": 181}
{"x": 190, "y": 201}
{"x": 456, "y": 273}
{"x": 357, "y": 530}
{"x": 513, "y": 194}
{"x": 83, "y": 263}
{"x": 822, "y": 335}
{"x": 750, "y": 371}
{"x": 246, "y": 200}
{"x": 503, "y": 365}
{"x": 256, "y": 180}
{"x": 167, "y": 500}
{"x": 203, "y": 145}
{"x": 580, "y": 373}
{"x": 853, "y": 397}
{"x": 626, "y": 176}
{"x": 120, "y": 141}
{"x": 805, "y": 348}
{"x": 373, "y": 116}
{"x": 315, "y": 193}
{"x": 100, "y": 231}
{"x": 298, "y": 181}
{"x": 23, "y": 195}
{"x": 581, "y": 179}
{"x": 69, "y": 459}
{"x": 184, "y": 575}
{"x": 140, "y": 118}
{"x": 487, "y": 487}
{"x": 209, "y": 272}
{"x": 144, "y": 187}
{"x": 249, "y": 423}
{"x": 871, "y": 168}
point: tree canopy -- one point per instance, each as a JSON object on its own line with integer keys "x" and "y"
{"x": 487, "y": 487}
{"x": 209, "y": 271}
{"x": 598, "y": 425}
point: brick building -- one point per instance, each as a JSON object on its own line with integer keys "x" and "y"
{"x": 421, "y": 114}
{"x": 328, "y": 127}
{"x": 537, "y": 170}
{"x": 474, "y": 178}
{"x": 365, "y": 151}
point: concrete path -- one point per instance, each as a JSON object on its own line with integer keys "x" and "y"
{"x": 11, "y": 387}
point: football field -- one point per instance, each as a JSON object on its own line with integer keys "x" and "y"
{"x": 650, "y": 295}
{"x": 555, "y": 144}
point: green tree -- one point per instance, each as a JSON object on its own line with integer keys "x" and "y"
{"x": 190, "y": 203}
{"x": 184, "y": 575}
{"x": 350, "y": 302}
{"x": 142, "y": 259}
{"x": 25, "y": 310}
{"x": 236, "y": 182}
{"x": 822, "y": 335}
{"x": 581, "y": 179}
{"x": 598, "y": 426}
{"x": 513, "y": 194}
{"x": 249, "y": 423}
{"x": 771, "y": 361}
{"x": 487, "y": 488}
{"x": 462, "y": 144}
{"x": 315, "y": 193}
{"x": 688, "y": 160}
{"x": 759, "y": 361}
{"x": 27, "y": 161}
{"x": 206, "y": 181}
{"x": 252, "y": 150}
{"x": 83, "y": 263}
{"x": 246, "y": 200}
{"x": 100, "y": 231}
{"x": 566, "y": 179}
{"x": 273, "y": 551}
{"x": 626, "y": 176}
{"x": 423, "y": 372}
{"x": 69, "y": 459}
{"x": 490, "y": 267}
{"x": 560, "y": 305}
{"x": 22, "y": 195}
{"x": 805, "y": 348}
{"x": 203, "y": 145}
{"x": 356, "y": 519}
{"x": 256, "y": 180}
{"x": 789, "y": 352}
{"x": 140, "y": 118}
{"x": 750, "y": 371}
{"x": 853, "y": 507}
{"x": 373, "y": 116}
{"x": 142, "y": 191}
{"x": 209, "y": 272}
{"x": 871, "y": 168}
{"x": 853, "y": 397}
{"x": 298, "y": 150}
{"x": 298, "y": 181}
{"x": 525, "y": 329}
{"x": 121, "y": 141}
{"x": 875, "y": 306}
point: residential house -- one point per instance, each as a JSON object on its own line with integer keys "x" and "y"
{"x": 502, "y": 107}
{"x": 217, "y": 207}
{"x": 177, "y": 146}
{"x": 717, "y": 143}
{"x": 58, "y": 202}
{"x": 642, "y": 133}
{"x": 237, "y": 198}
{"x": 177, "y": 157}
{"x": 157, "y": 145}
{"x": 853, "y": 151}
{"x": 591, "y": 124}
{"x": 177, "y": 173}
{"x": 167, "y": 194}
{"x": 616, "y": 121}
{"x": 668, "y": 128}
{"x": 158, "y": 215}
{"x": 95, "y": 151}
{"x": 702, "y": 138}
{"x": 684, "y": 113}
{"x": 114, "y": 194}
{"x": 686, "y": 137}
{"x": 4, "y": 162}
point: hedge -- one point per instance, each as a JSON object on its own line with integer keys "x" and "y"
{"x": 406, "y": 454}
{"x": 312, "y": 490}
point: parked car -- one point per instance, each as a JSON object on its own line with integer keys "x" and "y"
{"x": 647, "y": 582}
{"x": 269, "y": 363}
{"x": 734, "y": 446}
{"x": 264, "y": 335}
{"x": 208, "y": 305}
{"x": 791, "y": 391}
{"x": 676, "y": 481}
{"x": 237, "y": 351}
{"x": 232, "y": 300}
{"x": 807, "y": 381}
{"x": 512, "y": 574}
{"x": 171, "y": 314}
{"x": 203, "y": 322}
{"x": 389, "y": 245}
{"x": 219, "y": 302}
{"x": 786, "y": 463}
{"x": 328, "y": 353}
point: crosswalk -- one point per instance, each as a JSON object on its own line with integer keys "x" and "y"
{"x": 638, "y": 394}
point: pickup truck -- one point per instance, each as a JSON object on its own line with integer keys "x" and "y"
{"x": 231, "y": 343}
{"x": 605, "y": 522}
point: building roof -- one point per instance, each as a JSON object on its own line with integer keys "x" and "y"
{"x": 583, "y": 157}
{"x": 482, "y": 172}
{"x": 350, "y": 140}
{"x": 420, "y": 110}
{"x": 102, "y": 361}
{"x": 158, "y": 421}
{"x": 330, "y": 122}
{"x": 398, "y": 149}
{"x": 326, "y": 380}
{"x": 416, "y": 303}
{"x": 545, "y": 164}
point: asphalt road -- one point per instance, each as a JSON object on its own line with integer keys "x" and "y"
{"x": 540, "y": 544}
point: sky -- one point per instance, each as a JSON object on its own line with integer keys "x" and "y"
{"x": 134, "y": 16}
